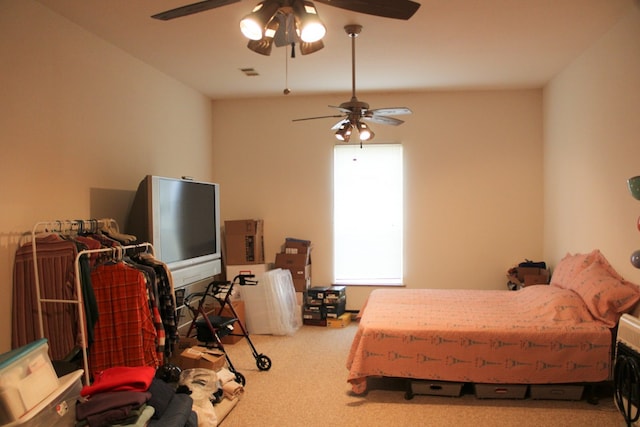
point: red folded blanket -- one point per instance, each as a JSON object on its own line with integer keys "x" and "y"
{"x": 121, "y": 378}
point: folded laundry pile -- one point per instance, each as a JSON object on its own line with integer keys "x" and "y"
{"x": 133, "y": 396}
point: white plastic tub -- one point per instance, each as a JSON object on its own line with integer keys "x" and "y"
{"x": 27, "y": 377}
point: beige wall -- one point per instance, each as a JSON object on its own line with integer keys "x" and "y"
{"x": 81, "y": 123}
{"x": 473, "y": 173}
{"x": 592, "y": 146}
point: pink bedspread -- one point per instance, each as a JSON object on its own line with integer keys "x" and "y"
{"x": 538, "y": 335}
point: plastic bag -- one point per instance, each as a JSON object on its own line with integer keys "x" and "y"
{"x": 203, "y": 384}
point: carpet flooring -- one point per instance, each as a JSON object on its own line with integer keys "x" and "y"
{"x": 306, "y": 386}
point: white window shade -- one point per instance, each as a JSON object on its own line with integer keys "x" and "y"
{"x": 368, "y": 214}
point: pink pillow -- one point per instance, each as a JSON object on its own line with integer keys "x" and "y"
{"x": 570, "y": 266}
{"x": 604, "y": 291}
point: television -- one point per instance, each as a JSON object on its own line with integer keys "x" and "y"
{"x": 181, "y": 219}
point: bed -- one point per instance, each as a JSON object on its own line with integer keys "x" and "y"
{"x": 541, "y": 334}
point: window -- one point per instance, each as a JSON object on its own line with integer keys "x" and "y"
{"x": 368, "y": 214}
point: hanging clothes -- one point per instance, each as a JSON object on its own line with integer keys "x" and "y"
{"x": 55, "y": 261}
{"x": 165, "y": 299}
{"x": 125, "y": 334}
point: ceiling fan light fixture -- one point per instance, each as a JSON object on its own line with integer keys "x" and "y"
{"x": 309, "y": 26}
{"x": 306, "y": 48}
{"x": 265, "y": 44}
{"x": 253, "y": 25}
{"x": 344, "y": 132}
{"x": 365, "y": 132}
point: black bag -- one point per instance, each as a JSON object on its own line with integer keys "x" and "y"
{"x": 533, "y": 264}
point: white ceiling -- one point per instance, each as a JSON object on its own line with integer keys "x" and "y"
{"x": 447, "y": 44}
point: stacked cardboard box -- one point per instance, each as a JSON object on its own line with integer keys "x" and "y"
{"x": 323, "y": 303}
{"x": 244, "y": 242}
{"x": 296, "y": 257}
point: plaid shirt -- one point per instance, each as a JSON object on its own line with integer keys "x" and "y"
{"x": 125, "y": 334}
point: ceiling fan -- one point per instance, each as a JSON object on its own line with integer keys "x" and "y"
{"x": 355, "y": 113}
{"x": 397, "y": 9}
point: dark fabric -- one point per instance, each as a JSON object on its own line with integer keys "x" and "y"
{"x": 103, "y": 402}
{"x": 124, "y": 415}
{"x": 178, "y": 414}
{"x": 161, "y": 395}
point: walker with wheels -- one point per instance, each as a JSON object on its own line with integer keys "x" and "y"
{"x": 210, "y": 328}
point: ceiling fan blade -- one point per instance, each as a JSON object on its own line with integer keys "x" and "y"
{"x": 344, "y": 110}
{"x": 190, "y": 9}
{"x": 396, "y": 9}
{"x": 317, "y": 117}
{"x": 339, "y": 124}
{"x": 384, "y": 120}
{"x": 394, "y": 111}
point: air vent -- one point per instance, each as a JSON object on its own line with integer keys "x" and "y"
{"x": 249, "y": 72}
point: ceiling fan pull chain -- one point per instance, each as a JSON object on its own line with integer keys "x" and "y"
{"x": 286, "y": 90}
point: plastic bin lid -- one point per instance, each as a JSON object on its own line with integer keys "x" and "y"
{"x": 14, "y": 355}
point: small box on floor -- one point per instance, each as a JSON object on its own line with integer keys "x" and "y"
{"x": 340, "y": 321}
{"x": 201, "y": 357}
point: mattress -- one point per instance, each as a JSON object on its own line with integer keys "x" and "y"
{"x": 537, "y": 335}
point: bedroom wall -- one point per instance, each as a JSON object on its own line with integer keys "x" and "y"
{"x": 592, "y": 146}
{"x": 473, "y": 175}
{"x": 81, "y": 123}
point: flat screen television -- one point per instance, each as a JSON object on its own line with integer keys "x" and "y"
{"x": 181, "y": 219}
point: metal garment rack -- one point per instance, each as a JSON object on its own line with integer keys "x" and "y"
{"x": 80, "y": 226}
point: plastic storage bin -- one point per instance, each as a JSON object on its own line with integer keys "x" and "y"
{"x": 436, "y": 388}
{"x": 501, "y": 391}
{"x": 59, "y": 408}
{"x": 556, "y": 391}
{"x": 27, "y": 377}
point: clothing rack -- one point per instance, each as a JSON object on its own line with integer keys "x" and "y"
{"x": 79, "y": 226}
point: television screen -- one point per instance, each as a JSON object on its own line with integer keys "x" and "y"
{"x": 181, "y": 219}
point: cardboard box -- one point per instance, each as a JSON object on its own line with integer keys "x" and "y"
{"x": 27, "y": 377}
{"x": 299, "y": 267}
{"x": 298, "y": 247}
{"x": 201, "y": 357}
{"x": 296, "y": 263}
{"x": 301, "y": 285}
{"x": 500, "y": 391}
{"x": 244, "y": 242}
{"x": 436, "y": 388}
{"x": 296, "y": 257}
{"x": 339, "y": 322}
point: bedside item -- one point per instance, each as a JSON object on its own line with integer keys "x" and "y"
{"x": 634, "y": 186}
